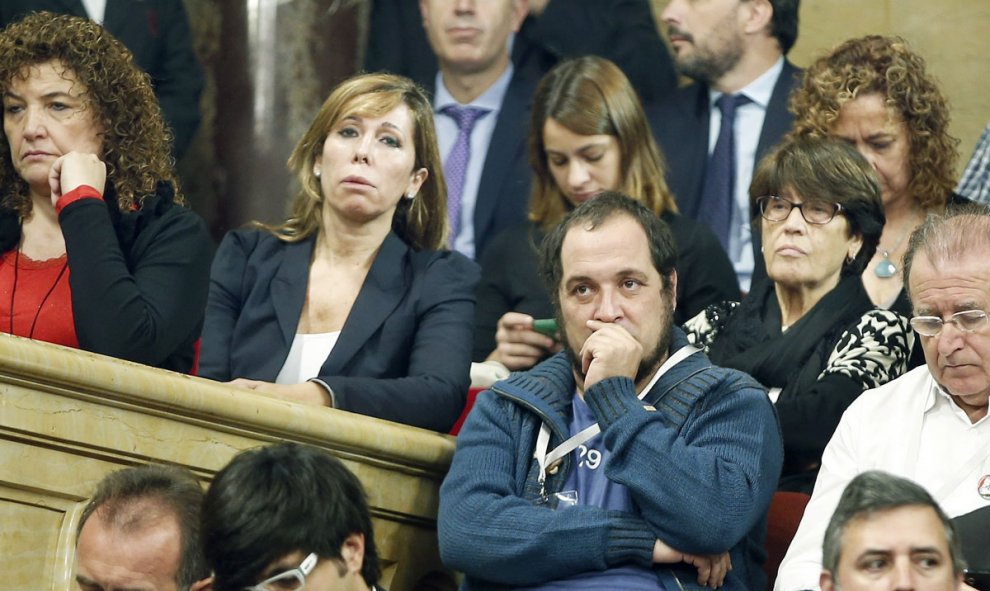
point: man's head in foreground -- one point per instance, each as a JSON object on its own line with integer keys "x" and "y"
{"x": 288, "y": 515}
{"x": 609, "y": 266}
{"x": 889, "y": 533}
{"x": 141, "y": 531}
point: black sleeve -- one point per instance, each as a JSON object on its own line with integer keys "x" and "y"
{"x": 141, "y": 305}
{"x": 705, "y": 275}
{"x": 866, "y": 355}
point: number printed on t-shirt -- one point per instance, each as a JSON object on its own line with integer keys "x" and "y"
{"x": 590, "y": 458}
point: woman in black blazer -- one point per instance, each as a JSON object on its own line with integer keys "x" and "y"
{"x": 354, "y": 301}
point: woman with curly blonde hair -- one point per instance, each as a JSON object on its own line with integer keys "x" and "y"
{"x": 354, "y": 301}
{"x": 876, "y": 93}
{"x": 98, "y": 252}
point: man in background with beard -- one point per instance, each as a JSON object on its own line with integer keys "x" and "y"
{"x": 565, "y": 478}
{"x": 734, "y": 50}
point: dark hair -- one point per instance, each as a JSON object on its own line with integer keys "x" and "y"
{"x": 889, "y": 67}
{"x": 135, "y": 139}
{"x": 122, "y": 499}
{"x": 593, "y": 213}
{"x": 874, "y": 492}
{"x": 421, "y": 222}
{"x": 784, "y": 25}
{"x": 831, "y": 170}
{"x": 272, "y": 501}
{"x": 591, "y": 96}
{"x": 949, "y": 235}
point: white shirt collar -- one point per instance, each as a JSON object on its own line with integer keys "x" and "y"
{"x": 939, "y": 398}
{"x": 491, "y": 99}
{"x": 758, "y": 91}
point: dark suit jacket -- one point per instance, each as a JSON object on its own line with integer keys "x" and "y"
{"x": 157, "y": 33}
{"x": 404, "y": 353}
{"x": 623, "y": 31}
{"x": 681, "y": 125}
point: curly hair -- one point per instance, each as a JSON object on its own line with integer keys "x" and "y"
{"x": 136, "y": 141}
{"x": 421, "y": 222}
{"x": 887, "y": 66}
{"x": 591, "y": 96}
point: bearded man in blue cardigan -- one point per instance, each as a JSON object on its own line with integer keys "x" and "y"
{"x": 566, "y": 478}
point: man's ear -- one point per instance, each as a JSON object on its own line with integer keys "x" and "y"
{"x": 202, "y": 585}
{"x": 825, "y": 581}
{"x": 352, "y": 552}
{"x": 759, "y": 16}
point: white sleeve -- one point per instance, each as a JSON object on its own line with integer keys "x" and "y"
{"x": 802, "y": 565}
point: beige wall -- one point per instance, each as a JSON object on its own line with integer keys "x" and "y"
{"x": 952, "y": 35}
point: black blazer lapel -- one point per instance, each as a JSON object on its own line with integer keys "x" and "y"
{"x": 507, "y": 147}
{"x": 779, "y": 119}
{"x": 383, "y": 290}
{"x": 288, "y": 290}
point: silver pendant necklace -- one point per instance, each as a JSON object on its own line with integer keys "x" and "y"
{"x": 886, "y": 268}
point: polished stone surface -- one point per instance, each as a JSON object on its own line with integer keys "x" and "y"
{"x": 67, "y": 418}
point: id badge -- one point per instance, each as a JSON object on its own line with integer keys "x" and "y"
{"x": 560, "y": 500}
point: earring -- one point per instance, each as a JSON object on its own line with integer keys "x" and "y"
{"x": 316, "y": 172}
{"x": 410, "y": 195}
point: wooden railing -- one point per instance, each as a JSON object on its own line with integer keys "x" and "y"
{"x": 68, "y": 418}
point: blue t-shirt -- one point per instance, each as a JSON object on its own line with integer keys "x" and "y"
{"x": 588, "y": 478}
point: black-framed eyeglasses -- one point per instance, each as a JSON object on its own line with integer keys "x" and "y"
{"x": 290, "y": 580}
{"x": 775, "y": 208}
{"x": 966, "y": 321}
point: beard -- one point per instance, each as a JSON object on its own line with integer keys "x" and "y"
{"x": 652, "y": 358}
{"x": 711, "y": 61}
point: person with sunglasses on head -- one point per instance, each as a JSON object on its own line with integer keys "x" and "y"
{"x": 289, "y": 517}
{"x": 930, "y": 424}
{"x": 810, "y": 335}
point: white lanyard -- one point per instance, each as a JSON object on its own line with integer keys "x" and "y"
{"x": 544, "y": 459}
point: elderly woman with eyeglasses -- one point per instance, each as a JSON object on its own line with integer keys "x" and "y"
{"x": 811, "y": 334}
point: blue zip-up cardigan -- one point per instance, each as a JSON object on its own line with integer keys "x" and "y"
{"x": 701, "y": 469}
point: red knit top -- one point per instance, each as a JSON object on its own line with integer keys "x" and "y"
{"x": 42, "y": 301}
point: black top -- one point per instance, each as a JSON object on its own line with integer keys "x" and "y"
{"x": 838, "y": 349}
{"x": 138, "y": 279}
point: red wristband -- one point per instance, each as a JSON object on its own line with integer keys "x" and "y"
{"x": 80, "y": 192}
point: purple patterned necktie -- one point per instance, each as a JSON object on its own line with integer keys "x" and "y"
{"x": 455, "y": 167}
{"x": 718, "y": 197}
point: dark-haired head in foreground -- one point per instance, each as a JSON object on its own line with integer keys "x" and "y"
{"x": 289, "y": 511}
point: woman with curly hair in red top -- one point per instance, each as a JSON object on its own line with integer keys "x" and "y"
{"x": 97, "y": 250}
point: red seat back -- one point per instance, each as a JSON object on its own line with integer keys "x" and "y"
{"x": 786, "y": 510}
{"x": 471, "y": 396}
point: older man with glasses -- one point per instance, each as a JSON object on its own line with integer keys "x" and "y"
{"x": 930, "y": 425}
